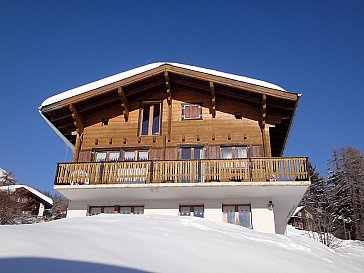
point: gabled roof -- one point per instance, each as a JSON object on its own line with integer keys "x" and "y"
{"x": 121, "y": 76}
{"x": 58, "y": 111}
{"x": 39, "y": 195}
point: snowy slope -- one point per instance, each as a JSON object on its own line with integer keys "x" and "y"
{"x": 153, "y": 243}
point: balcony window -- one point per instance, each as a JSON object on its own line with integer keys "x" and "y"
{"x": 150, "y": 119}
{"x": 237, "y": 214}
{"x": 191, "y": 170}
{"x": 191, "y": 111}
{"x": 135, "y": 155}
{"x": 196, "y": 211}
{"x": 234, "y": 152}
{"x": 102, "y": 156}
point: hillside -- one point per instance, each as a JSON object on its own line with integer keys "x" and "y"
{"x": 153, "y": 243}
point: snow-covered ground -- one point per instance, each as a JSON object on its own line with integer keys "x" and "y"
{"x": 154, "y": 243}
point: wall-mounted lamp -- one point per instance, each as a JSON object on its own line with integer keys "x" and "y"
{"x": 270, "y": 205}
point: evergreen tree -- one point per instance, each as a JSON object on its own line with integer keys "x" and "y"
{"x": 346, "y": 170}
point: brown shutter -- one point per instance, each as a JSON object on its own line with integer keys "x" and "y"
{"x": 155, "y": 154}
{"x": 213, "y": 152}
{"x": 188, "y": 111}
{"x": 256, "y": 151}
{"x": 171, "y": 153}
{"x": 84, "y": 156}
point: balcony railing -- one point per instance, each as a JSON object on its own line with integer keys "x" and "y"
{"x": 183, "y": 171}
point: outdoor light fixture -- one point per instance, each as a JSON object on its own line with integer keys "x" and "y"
{"x": 270, "y": 205}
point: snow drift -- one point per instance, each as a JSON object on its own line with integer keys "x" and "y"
{"x": 153, "y": 243}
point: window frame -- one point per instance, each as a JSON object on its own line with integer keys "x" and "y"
{"x": 236, "y": 208}
{"x": 150, "y": 117}
{"x": 116, "y": 209}
{"x": 192, "y": 210}
{"x": 233, "y": 152}
{"x": 183, "y": 116}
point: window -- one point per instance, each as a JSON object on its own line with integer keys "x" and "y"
{"x": 135, "y": 155}
{"x": 189, "y": 153}
{"x": 125, "y": 155}
{"x": 191, "y": 111}
{"x": 119, "y": 209}
{"x": 197, "y": 211}
{"x": 102, "y": 156}
{"x": 237, "y": 214}
{"x": 192, "y": 167}
{"x": 150, "y": 119}
{"x": 131, "y": 209}
{"x": 234, "y": 152}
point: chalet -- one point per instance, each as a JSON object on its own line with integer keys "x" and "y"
{"x": 28, "y": 200}
{"x": 302, "y": 218}
{"x": 174, "y": 139}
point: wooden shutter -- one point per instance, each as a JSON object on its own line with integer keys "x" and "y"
{"x": 195, "y": 111}
{"x": 171, "y": 153}
{"x": 192, "y": 111}
{"x": 213, "y": 152}
{"x": 155, "y": 154}
{"x": 256, "y": 151}
{"x": 84, "y": 156}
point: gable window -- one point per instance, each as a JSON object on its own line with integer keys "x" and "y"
{"x": 150, "y": 119}
{"x": 197, "y": 211}
{"x": 191, "y": 111}
{"x": 237, "y": 214}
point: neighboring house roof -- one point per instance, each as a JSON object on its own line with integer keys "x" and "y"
{"x": 138, "y": 70}
{"x": 2, "y": 172}
{"x": 36, "y": 193}
{"x": 297, "y": 210}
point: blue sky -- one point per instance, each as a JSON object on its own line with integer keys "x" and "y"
{"x": 311, "y": 47}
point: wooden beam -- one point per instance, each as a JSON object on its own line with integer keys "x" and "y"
{"x": 124, "y": 103}
{"x": 213, "y": 100}
{"x": 199, "y": 86}
{"x": 76, "y": 153}
{"x": 133, "y": 91}
{"x": 168, "y": 87}
{"x": 77, "y": 118}
{"x": 169, "y": 102}
{"x": 263, "y": 111}
{"x": 99, "y": 102}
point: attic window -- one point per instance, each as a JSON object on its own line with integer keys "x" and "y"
{"x": 238, "y": 115}
{"x": 105, "y": 121}
{"x": 191, "y": 111}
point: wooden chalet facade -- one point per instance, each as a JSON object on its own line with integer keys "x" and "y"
{"x": 181, "y": 140}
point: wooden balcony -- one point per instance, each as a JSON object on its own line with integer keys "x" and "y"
{"x": 183, "y": 171}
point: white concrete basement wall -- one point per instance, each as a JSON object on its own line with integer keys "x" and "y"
{"x": 262, "y": 218}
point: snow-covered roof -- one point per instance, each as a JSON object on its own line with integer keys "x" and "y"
{"x": 12, "y": 188}
{"x": 2, "y": 172}
{"x": 121, "y": 76}
{"x": 297, "y": 210}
